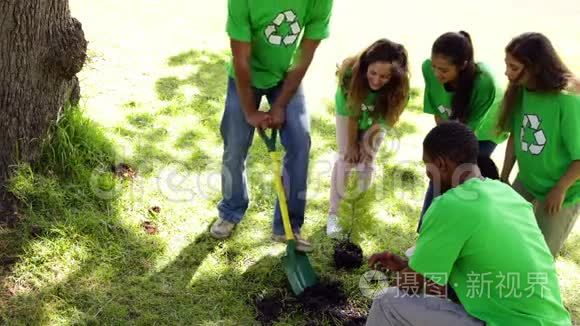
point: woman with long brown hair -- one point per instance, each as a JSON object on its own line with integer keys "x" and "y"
{"x": 373, "y": 90}
{"x": 544, "y": 120}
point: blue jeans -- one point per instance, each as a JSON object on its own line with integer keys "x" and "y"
{"x": 237, "y": 135}
{"x": 486, "y": 148}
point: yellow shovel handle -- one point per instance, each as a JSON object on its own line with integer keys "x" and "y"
{"x": 277, "y": 168}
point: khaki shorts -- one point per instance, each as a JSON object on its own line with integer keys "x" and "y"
{"x": 555, "y": 228}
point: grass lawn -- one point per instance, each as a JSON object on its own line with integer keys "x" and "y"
{"x": 153, "y": 92}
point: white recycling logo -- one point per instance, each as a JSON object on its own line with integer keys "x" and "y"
{"x": 369, "y": 108}
{"x": 271, "y": 31}
{"x": 444, "y": 110}
{"x": 533, "y": 121}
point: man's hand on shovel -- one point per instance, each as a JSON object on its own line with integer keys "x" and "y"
{"x": 258, "y": 119}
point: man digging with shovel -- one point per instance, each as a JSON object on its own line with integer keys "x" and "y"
{"x": 273, "y": 44}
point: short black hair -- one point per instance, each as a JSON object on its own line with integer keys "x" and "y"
{"x": 454, "y": 141}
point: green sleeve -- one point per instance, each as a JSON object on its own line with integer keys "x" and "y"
{"x": 340, "y": 102}
{"x": 317, "y": 27}
{"x": 238, "y": 23}
{"x": 569, "y": 123}
{"x": 483, "y": 97}
{"x": 427, "y": 77}
{"x": 442, "y": 238}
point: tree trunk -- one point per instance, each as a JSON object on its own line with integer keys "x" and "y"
{"x": 42, "y": 48}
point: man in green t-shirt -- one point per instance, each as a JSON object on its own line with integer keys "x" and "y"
{"x": 273, "y": 44}
{"x": 481, "y": 238}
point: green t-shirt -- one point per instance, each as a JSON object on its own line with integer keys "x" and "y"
{"x": 485, "y": 102}
{"x": 365, "y": 120}
{"x": 546, "y": 129}
{"x": 275, "y": 29}
{"x": 482, "y": 238}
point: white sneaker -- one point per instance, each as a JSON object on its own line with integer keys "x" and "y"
{"x": 333, "y": 229}
{"x": 409, "y": 253}
{"x": 221, "y": 229}
{"x": 301, "y": 244}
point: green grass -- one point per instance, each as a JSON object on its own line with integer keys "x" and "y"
{"x": 156, "y": 103}
{"x": 92, "y": 262}
{"x": 85, "y": 258}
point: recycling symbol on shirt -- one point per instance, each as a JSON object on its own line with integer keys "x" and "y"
{"x": 271, "y": 31}
{"x": 444, "y": 110}
{"x": 369, "y": 108}
{"x": 533, "y": 121}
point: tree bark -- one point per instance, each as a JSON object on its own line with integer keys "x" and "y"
{"x": 42, "y": 48}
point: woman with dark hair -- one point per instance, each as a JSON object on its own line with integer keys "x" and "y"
{"x": 544, "y": 120}
{"x": 373, "y": 90}
{"x": 457, "y": 88}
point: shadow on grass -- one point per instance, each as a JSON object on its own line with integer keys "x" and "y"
{"x": 205, "y": 283}
{"x": 188, "y": 287}
{"x": 165, "y": 296}
{"x": 116, "y": 282}
{"x": 74, "y": 249}
{"x": 208, "y": 81}
{"x": 110, "y": 282}
{"x": 162, "y": 138}
{"x": 215, "y": 297}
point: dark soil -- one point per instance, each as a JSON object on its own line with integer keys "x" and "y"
{"x": 7, "y": 262}
{"x": 269, "y": 308}
{"x": 347, "y": 255}
{"x": 327, "y": 300}
{"x": 124, "y": 171}
{"x": 322, "y": 297}
{"x": 154, "y": 210}
{"x": 149, "y": 227}
{"x": 323, "y": 302}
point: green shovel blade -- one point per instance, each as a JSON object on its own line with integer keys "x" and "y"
{"x": 299, "y": 272}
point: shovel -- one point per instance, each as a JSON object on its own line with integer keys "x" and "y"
{"x": 300, "y": 273}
